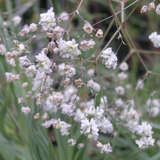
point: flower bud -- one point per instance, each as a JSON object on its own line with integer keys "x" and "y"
{"x": 99, "y": 33}
{"x": 88, "y": 28}
{"x": 144, "y": 9}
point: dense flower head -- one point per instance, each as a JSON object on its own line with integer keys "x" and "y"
{"x": 47, "y": 20}
{"x": 109, "y": 59}
{"x": 155, "y": 39}
{"x": 68, "y": 49}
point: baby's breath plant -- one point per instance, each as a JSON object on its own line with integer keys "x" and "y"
{"x": 66, "y": 95}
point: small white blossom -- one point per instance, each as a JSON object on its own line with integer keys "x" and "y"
{"x": 140, "y": 84}
{"x": 144, "y": 129}
{"x": 49, "y": 123}
{"x": 120, "y": 90}
{"x": 94, "y": 85}
{"x": 89, "y": 128}
{"x": 151, "y": 6}
{"x": 67, "y": 70}
{"x": 33, "y": 27}
{"x": 145, "y": 142}
{"x": 80, "y": 145}
{"x": 109, "y": 59}
{"x": 47, "y": 20}
{"x": 24, "y": 85}
{"x": 2, "y": 49}
{"x": 99, "y": 33}
{"x": 122, "y": 76}
{"x": 68, "y": 49}
{"x": 71, "y": 141}
{"x": 25, "y": 110}
{"x": 16, "y": 20}
{"x": 158, "y": 9}
{"x": 43, "y": 61}
{"x": 86, "y": 45}
{"x": 104, "y": 148}
{"x": 30, "y": 71}
{"x": 11, "y": 76}
{"x": 144, "y": 9}
{"x": 67, "y": 109}
{"x": 154, "y": 111}
{"x": 119, "y": 102}
{"x": 24, "y": 61}
{"x": 123, "y": 66}
{"x": 91, "y": 72}
{"x": 88, "y": 28}
{"x": 155, "y": 39}
{"x": 20, "y": 100}
{"x": 64, "y": 16}
{"x": 53, "y": 101}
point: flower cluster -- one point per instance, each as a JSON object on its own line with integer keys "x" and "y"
{"x": 109, "y": 58}
{"x": 155, "y": 39}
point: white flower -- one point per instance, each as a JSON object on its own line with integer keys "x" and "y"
{"x": 64, "y": 128}
{"x": 155, "y": 39}
{"x": 33, "y": 27}
{"x": 144, "y": 129}
{"x": 67, "y": 109}
{"x": 11, "y": 62}
{"x": 105, "y": 125}
{"x": 123, "y": 66}
{"x": 49, "y": 123}
{"x": 89, "y": 128}
{"x": 120, "y": 90}
{"x": 144, "y": 9}
{"x": 16, "y": 20}
{"x": 158, "y": 9}
{"x": 90, "y": 72}
{"x": 68, "y": 49}
{"x": 11, "y": 76}
{"x": 24, "y": 85}
{"x": 2, "y": 49}
{"x": 20, "y": 100}
{"x": 30, "y": 71}
{"x": 99, "y": 33}
{"x": 86, "y": 45}
{"x": 154, "y": 111}
{"x": 67, "y": 70}
{"x": 145, "y": 142}
{"x": 104, "y": 148}
{"x": 24, "y": 61}
{"x": 21, "y": 48}
{"x": 151, "y": 6}
{"x": 57, "y": 32}
{"x": 122, "y": 76}
{"x": 109, "y": 59}
{"x": 156, "y": 102}
{"x": 140, "y": 84}
{"x": 80, "y": 145}
{"x": 43, "y": 61}
{"x": 88, "y": 27}
{"x": 119, "y": 102}
{"x": 47, "y": 20}
{"x": 25, "y": 110}
{"x": 64, "y": 16}
{"x": 93, "y": 85}
{"x": 69, "y": 93}
{"x": 71, "y": 141}
{"x": 53, "y": 101}
{"x": 79, "y": 115}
